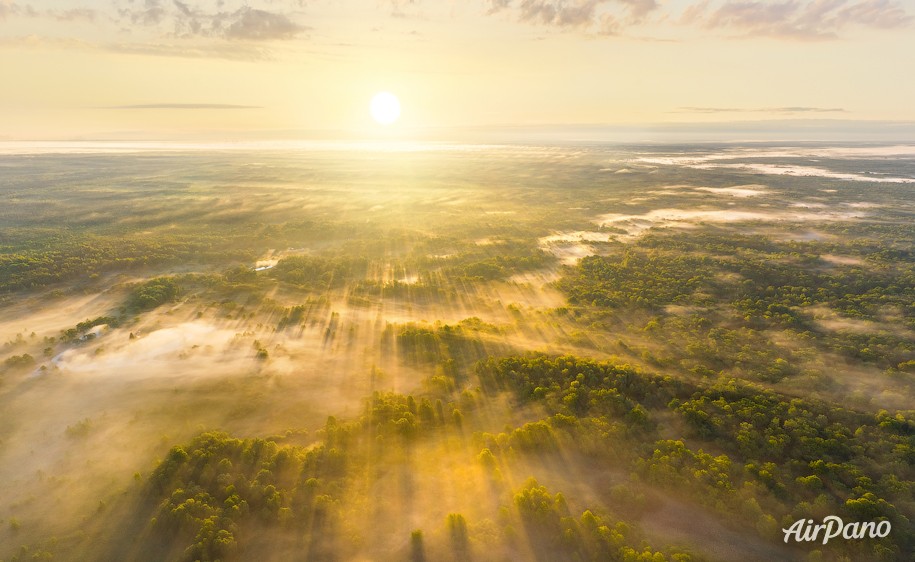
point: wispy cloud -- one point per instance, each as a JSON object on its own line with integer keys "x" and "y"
{"x": 75, "y": 14}
{"x": 261, "y": 25}
{"x": 8, "y": 8}
{"x": 789, "y": 109}
{"x": 605, "y": 15}
{"x": 227, "y": 29}
{"x": 398, "y": 7}
{"x": 154, "y": 22}
{"x": 184, "y": 106}
{"x": 783, "y": 19}
{"x": 227, "y": 50}
{"x": 245, "y": 23}
{"x": 794, "y": 19}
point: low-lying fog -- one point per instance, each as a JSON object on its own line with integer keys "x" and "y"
{"x": 90, "y": 413}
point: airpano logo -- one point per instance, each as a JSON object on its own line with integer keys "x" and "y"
{"x": 833, "y": 527}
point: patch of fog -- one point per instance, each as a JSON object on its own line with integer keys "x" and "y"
{"x": 273, "y": 257}
{"x": 829, "y": 190}
{"x": 47, "y": 316}
{"x": 837, "y": 324}
{"x": 714, "y": 161}
{"x": 750, "y": 190}
{"x": 188, "y": 348}
{"x": 863, "y": 205}
{"x": 861, "y": 151}
{"x": 808, "y": 205}
{"x": 569, "y": 254}
{"x": 808, "y": 236}
{"x": 569, "y": 247}
{"x": 577, "y": 236}
{"x": 806, "y": 171}
{"x": 841, "y": 260}
{"x": 736, "y": 191}
{"x": 635, "y": 225}
{"x": 265, "y": 264}
{"x": 97, "y": 330}
{"x": 785, "y": 152}
{"x": 535, "y": 278}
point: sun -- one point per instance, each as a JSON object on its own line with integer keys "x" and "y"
{"x": 385, "y": 108}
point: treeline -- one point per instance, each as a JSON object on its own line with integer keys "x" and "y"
{"x": 756, "y": 276}
{"x": 556, "y": 533}
{"x": 214, "y": 495}
{"x": 320, "y": 273}
{"x": 453, "y": 348}
{"x": 209, "y": 491}
{"x": 462, "y": 260}
{"x": 748, "y": 285}
{"x": 70, "y": 257}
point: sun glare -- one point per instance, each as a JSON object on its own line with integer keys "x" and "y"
{"x": 385, "y": 108}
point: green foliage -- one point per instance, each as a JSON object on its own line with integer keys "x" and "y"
{"x": 319, "y": 273}
{"x": 491, "y": 268}
{"x": 746, "y": 283}
{"x": 775, "y": 454}
{"x": 215, "y": 485}
{"x": 647, "y": 278}
{"x": 452, "y": 347}
{"x": 553, "y": 531}
{"x": 23, "y": 361}
{"x": 79, "y": 331}
{"x": 79, "y": 430}
{"x": 672, "y": 463}
{"x": 153, "y": 293}
{"x": 417, "y": 551}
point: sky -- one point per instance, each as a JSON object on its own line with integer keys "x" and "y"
{"x": 150, "y": 69}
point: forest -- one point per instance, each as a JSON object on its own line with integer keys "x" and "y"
{"x": 554, "y": 353}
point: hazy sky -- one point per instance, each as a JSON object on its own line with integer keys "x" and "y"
{"x": 155, "y": 68}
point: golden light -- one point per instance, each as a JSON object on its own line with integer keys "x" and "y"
{"x": 385, "y": 108}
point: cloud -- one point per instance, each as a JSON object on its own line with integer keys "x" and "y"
{"x": 788, "y": 19}
{"x": 187, "y": 20}
{"x": 882, "y": 14}
{"x": 604, "y": 16}
{"x": 640, "y": 9}
{"x": 75, "y": 14}
{"x": 558, "y": 13}
{"x": 397, "y": 7}
{"x": 793, "y": 109}
{"x": 260, "y": 25}
{"x": 228, "y": 50}
{"x": 151, "y": 13}
{"x": 185, "y": 106}
{"x": 795, "y": 19}
{"x": 8, "y": 8}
